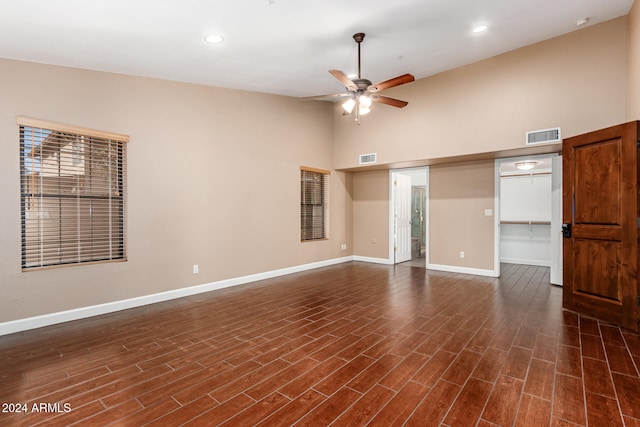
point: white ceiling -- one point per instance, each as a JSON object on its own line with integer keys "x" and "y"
{"x": 282, "y": 46}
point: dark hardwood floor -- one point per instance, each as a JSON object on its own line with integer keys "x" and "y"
{"x": 348, "y": 345}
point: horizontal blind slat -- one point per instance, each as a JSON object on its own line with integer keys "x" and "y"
{"x": 313, "y": 203}
{"x": 72, "y": 188}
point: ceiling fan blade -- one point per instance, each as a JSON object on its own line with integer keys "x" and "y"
{"x": 396, "y": 81}
{"x": 389, "y": 101}
{"x": 330, "y": 97}
{"x": 346, "y": 81}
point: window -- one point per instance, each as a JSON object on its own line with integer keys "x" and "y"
{"x": 72, "y": 194}
{"x": 314, "y": 203}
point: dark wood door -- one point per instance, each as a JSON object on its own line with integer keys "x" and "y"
{"x": 600, "y": 203}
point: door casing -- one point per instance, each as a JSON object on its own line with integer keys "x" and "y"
{"x": 392, "y": 203}
{"x": 556, "y": 220}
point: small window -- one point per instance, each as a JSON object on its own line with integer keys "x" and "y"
{"x": 314, "y": 204}
{"x": 72, "y": 194}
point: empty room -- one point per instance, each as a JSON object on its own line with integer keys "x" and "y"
{"x": 268, "y": 212}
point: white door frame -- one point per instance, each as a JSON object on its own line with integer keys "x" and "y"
{"x": 402, "y": 215}
{"x": 498, "y": 162}
{"x": 392, "y": 201}
{"x": 556, "y": 221}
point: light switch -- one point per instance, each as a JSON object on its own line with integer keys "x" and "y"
{"x": 488, "y": 212}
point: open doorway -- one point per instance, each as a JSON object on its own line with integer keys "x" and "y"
{"x": 408, "y": 213}
{"x": 530, "y": 212}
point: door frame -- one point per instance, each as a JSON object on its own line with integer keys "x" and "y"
{"x": 498, "y": 162}
{"x": 556, "y": 268}
{"x": 392, "y": 205}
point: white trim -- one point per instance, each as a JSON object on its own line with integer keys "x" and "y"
{"x": 392, "y": 203}
{"x": 373, "y": 260}
{"x": 498, "y": 162}
{"x": 555, "y": 253}
{"x": 392, "y": 219}
{"x": 427, "y": 226}
{"x": 463, "y": 270}
{"x": 496, "y": 220}
{"x": 526, "y": 262}
{"x": 110, "y": 307}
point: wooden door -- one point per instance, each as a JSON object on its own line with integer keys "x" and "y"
{"x": 600, "y": 205}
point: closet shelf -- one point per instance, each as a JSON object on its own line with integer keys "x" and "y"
{"x": 527, "y": 222}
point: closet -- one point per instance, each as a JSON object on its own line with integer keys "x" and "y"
{"x": 525, "y": 213}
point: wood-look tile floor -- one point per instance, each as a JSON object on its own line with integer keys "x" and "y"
{"x": 348, "y": 345}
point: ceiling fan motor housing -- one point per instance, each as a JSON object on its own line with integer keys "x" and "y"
{"x": 362, "y": 84}
{"x": 358, "y": 87}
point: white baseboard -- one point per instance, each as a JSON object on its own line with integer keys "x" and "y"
{"x": 535, "y": 262}
{"x": 110, "y": 307}
{"x": 464, "y": 270}
{"x": 372, "y": 260}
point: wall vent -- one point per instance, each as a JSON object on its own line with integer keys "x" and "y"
{"x": 544, "y": 136}
{"x": 367, "y": 159}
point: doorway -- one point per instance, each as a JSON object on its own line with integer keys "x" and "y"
{"x": 529, "y": 206}
{"x": 408, "y": 214}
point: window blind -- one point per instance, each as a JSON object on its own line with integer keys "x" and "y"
{"x": 72, "y": 195}
{"x": 314, "y": 203}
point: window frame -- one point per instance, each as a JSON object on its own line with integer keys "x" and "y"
{"x": 101, "y": 197}
{"x": 314, "y": 213}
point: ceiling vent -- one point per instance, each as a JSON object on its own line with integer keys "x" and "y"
{"x": 544, "y": 136}
{"x": 368, "y": 159}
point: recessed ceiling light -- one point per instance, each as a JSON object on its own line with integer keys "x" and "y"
{"x": 479, "y": 28}
{"x": 214, "y": 39}
{"x": 582, "y": 22}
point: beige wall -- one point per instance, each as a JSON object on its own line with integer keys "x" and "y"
{"x": 483, "y": 107}
{"x": 577, "y": 81}
{"x": 213, "y": 180}
{"x": 458, "y": 197}
{"x": 633, "y": 103}
{"x": 371, "y": 214}
{"x": 226, "y": 147}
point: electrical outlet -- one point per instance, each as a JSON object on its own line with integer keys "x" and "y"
{"x": 196, "y": 269}
{"x": 343, "y": 247}
{"x": 461, "y": 254}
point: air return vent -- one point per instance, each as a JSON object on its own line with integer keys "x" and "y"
{"x": 367, "y": 159}
{"x": 544, "y": 136}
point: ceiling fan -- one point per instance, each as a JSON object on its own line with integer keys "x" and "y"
{"x": 361, "y": 92}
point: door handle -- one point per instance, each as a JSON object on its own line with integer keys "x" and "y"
{"x": 566, "y": 230}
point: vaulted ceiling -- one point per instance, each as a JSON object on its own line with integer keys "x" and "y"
{"x": 282, "y": 46}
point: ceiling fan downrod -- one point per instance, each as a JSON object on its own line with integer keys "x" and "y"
{"x": 359, "y": 37}
{"x": 361, "y": 92}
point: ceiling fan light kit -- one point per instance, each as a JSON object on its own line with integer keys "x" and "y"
{"x": 348, "y": 105}
{"x": 361, "y": 92}
{"x": 363, "y": 102}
